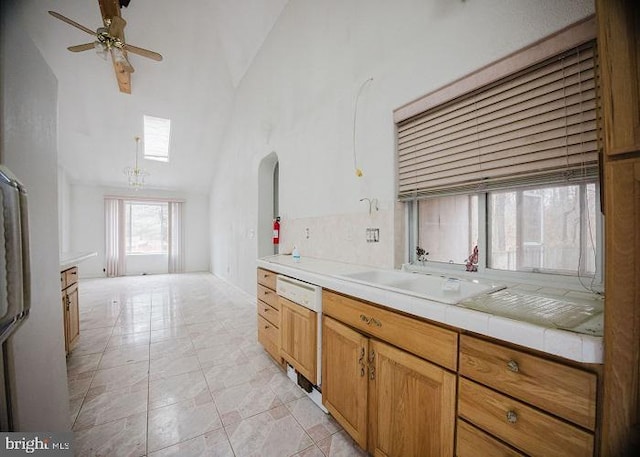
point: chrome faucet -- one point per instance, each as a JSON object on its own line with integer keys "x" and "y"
{"x": 373, "y": 203}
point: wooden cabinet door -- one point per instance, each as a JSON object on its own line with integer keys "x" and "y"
{"x": 65, "y": 321}
{"x": 298, "y": 338}
{"x": 345, "y": 377}
{"x": 412, "y": 405}
{"x": 621, "y": 402}
{"x": 73, "y": 316}
{"x": 619, "y": 54}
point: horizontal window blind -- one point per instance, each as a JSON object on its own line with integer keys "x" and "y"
{"x": 535, "y": 127}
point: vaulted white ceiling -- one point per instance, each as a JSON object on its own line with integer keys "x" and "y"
{"x": 207, "y": 45}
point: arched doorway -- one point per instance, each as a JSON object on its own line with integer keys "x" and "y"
{"x": 268, "y": 196}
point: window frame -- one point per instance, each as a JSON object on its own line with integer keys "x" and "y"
{"x": 128, "y": 226}
{"x": 593, "y": 283}
{"x": 151, "y": 126}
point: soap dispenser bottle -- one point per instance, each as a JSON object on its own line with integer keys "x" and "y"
{"x": 295, "y": 254}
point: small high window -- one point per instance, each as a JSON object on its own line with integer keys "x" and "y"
{"x": 157, "y": 132}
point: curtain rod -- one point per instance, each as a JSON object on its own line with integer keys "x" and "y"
{"x": 145, "y": 199}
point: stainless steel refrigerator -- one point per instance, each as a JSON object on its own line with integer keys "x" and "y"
{"x": 14, "y": 277}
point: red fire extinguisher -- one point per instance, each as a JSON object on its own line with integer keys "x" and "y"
{"x": 276, "y": 231}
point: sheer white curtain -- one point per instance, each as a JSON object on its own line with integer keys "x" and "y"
{"x": 176, "y": 238}
{"x": 114, "y": 236}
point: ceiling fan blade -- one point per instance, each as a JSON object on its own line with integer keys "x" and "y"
{"x": 71, "y": 22}
{"x": 109, "y": 8}
{"x": 123, "y": 69}
{"x": 116, "y": 28}
{"x": 142, "y": 52}
{"x": 81, "y": 47}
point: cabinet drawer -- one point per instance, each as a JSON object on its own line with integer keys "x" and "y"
{"x": 71, "y": 276}
{"x": 425, "y": 340}
{"x": 269, "y": 337}
{"x": 472, "y": 442}
{"x": 533, "y": 432}
{"x": 267, "y": 278}
{"x": 564, "y": 391}
{"x": 268, "y": 296}
{"x": 63, "y": 280}
{"x": 269, "y": 313}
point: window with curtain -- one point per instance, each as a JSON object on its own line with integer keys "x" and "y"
{"x": 146, "y": 227}
{"x": 510, "y": 166}
{"x": 114, "y": 237}
{"x": 176, "y": 238}
{"x": 143, "y": 227}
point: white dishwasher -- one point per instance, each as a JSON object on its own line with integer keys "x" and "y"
{"x": 309, "y": 296}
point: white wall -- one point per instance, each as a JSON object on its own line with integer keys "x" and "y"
{"x": 64, "y": 216}
{"x": 29, "y": 149}
{"x": 87, "y": 229}
{"x": 298, "y": 97}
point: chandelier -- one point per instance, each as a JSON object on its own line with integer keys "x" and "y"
{"x": 135, "y": 174}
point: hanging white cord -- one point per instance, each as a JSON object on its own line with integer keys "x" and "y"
{"x": 355, "y": 117}
{"x": 585, "y": 198}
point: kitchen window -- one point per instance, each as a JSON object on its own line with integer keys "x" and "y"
{"x": 550, "y": 229}
{"x": 447, "y": 227}
{"x": 547, "y": 229}
{"x": 146, "y": 227}
{"x": 507, "y": 160}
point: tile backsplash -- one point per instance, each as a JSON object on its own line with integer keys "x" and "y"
{"x": 343, "y": 237}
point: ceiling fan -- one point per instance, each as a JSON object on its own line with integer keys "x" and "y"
{"x": 110, "y": 39}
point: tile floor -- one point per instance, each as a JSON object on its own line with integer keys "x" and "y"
{"x": 169, "y": 365}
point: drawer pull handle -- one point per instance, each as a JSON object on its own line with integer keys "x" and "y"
{"x": 512, "y": 365}
{"x": 266, "y": 309}
{"x": 372, "y": 365}
{"x": 266, "y": 327}
{"x": 370, "y": 320}
{"x": 512, "y": 417}
{"x": 361, "y": 362}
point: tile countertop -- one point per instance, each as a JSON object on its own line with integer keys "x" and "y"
{"x": 70, "y": 259}
{"x": 573, "y": 345}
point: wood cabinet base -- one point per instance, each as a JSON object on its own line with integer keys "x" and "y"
{"x": 70, "y": 310}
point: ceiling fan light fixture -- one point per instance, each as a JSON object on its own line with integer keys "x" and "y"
{"x": 110, "y": 39}
{"x": 118, "y": 55}
{"x": 135, "y": 175}
{"x": 101, "y": 49}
